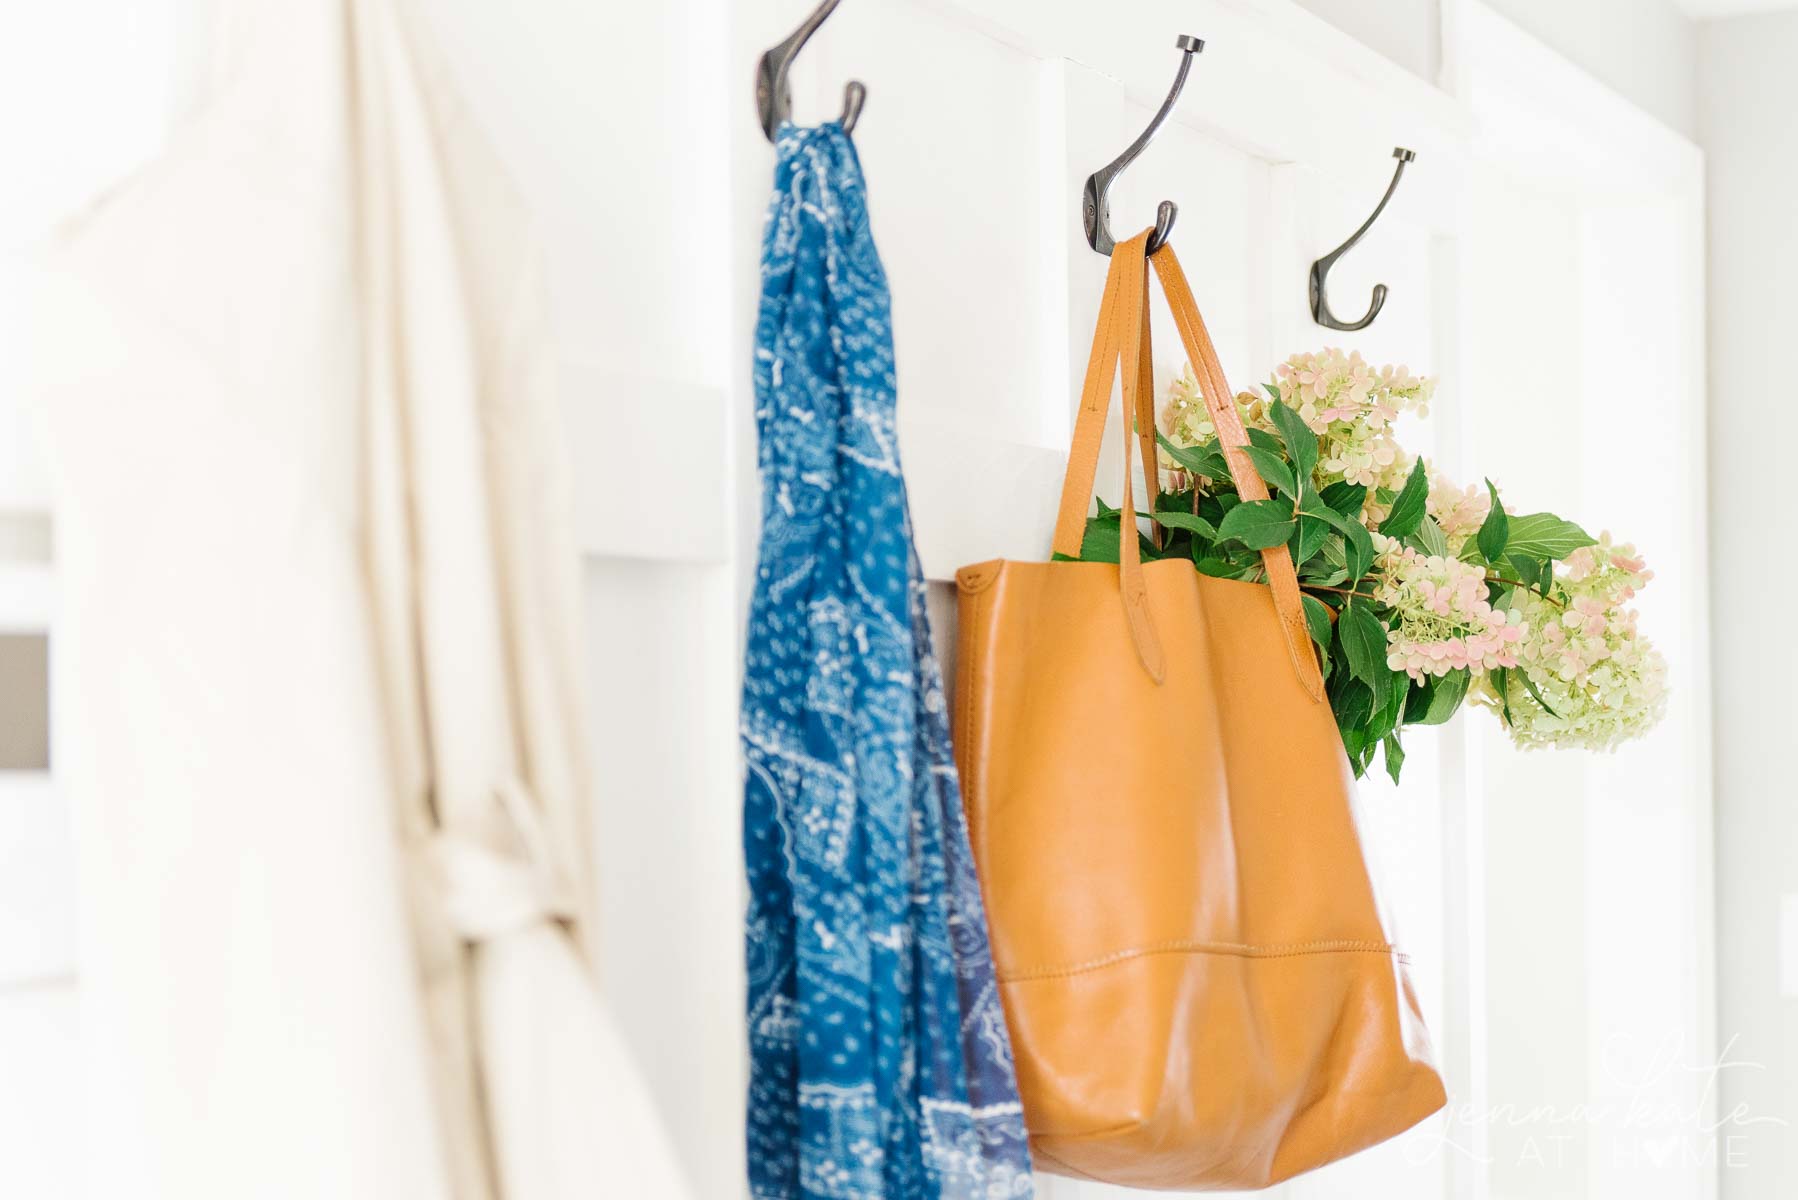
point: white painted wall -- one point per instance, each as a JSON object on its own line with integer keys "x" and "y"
{"x": 1597, "y": 867}
{"x": 1409, "y": 32}
{"x": 1645, "y": 50}
{"x": 1750, "y": 94}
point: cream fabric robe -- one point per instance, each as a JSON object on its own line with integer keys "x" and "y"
{"x": 318, "y": 698}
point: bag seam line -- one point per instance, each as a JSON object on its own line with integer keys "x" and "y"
{"x": 1196, "y": 946}
{"x": 970, "y": 798}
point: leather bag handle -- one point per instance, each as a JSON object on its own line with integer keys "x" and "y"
{"x": 1119, "y": 326}
{"x": 1123, "y": 324}
{"x": 1282, "y": 576}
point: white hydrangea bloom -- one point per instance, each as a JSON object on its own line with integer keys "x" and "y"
{"x": 1605, "y": 683}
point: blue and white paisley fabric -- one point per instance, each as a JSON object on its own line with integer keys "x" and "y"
{"x": 880, "y": 1066}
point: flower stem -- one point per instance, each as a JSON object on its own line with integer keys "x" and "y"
{"x": 1318, "y": 587}
{"x": 1526, "y": 587}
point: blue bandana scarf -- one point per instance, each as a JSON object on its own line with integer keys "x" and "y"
{"x": 880, "y": 1067}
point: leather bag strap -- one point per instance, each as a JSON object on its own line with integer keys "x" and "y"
{"x": 1120, "y": 327}
{"x": 1123, "y": 333}
{"x": 1282, "y": 577}
{"x": 1145, "y": 412}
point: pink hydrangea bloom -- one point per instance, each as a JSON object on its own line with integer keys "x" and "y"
{"x": 1445, "y": 622}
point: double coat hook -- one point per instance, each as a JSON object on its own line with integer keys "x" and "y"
{"x": 773, "y": 95}
{"x": 1095, "y": 210}
{"x": 1320, "y": 270}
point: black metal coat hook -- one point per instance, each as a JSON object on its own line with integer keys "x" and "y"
{"x": 1095, "y": 211}
{"x": 1320, "y": 300}
{"x": 773, "y": 96}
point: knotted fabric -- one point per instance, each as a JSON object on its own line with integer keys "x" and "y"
{"x": 879, "y": 1061}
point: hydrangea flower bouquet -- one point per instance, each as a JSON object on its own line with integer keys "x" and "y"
{"x": 1419, "y": 594}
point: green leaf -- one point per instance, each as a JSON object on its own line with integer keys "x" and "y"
{"x": 1389, "y": 692}
{"x": 1317, "y": 619}
{"x": 1329, "y": 567}
{"x": 1364, "y": 639}
{"x": 1385, "y": 713}
{"x": 1301, "y": 443}
{"x": 1265, "y": 440}
{"x": 1173, "y": 519}
{"x": 1417, "y": 699}
{"x": 1544, "y": 535}
{"x": 1345, "y": 497}
{"x": 1308, "y": 539}
{"x": 1360, "y": 543}
{"x": 1182, "y": 501}
{"x": 1430, "y": 538}
{"x": 1495, "y": 534}
{"x": 1530, "y": 686}
{"x": 1200, "y": 460}
{"x": 1501, "y": 683}
{"x": 1272, "y": 469}
{"x": 1370, "y": 746}
{"x": 1258, "y": 524}
{"x": 1407, "y": 510}
{"x": 1395, "y": 756}
{"x": 1227, "y": 561}
{"x": 1100, "y": 542}
{"x": 1273, "y": 393}
{"x": 1445, "y": 697}
{"x": 1353, "y": 705}
{"x": 1360, "y": 556}
{"x": 1528, "y": 570}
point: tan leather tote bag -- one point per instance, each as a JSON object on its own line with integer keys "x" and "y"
{"x": 1201, "y": 989}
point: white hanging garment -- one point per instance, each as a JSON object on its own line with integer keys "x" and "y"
{"x": 318, "y": 697}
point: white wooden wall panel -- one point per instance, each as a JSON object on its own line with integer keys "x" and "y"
{"x": 962, "y": 218}
{"x": 1584, "y": 301}
{"x": 662, "y": 654}
{"x": 611, "y": 121}
{"x": 615, "y": 122}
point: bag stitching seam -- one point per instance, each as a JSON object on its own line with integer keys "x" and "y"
{"x": 968, "y": 798}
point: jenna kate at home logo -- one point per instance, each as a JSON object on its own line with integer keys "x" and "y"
{"x": 1661, "y": 1109}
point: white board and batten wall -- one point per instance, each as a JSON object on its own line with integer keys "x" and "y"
{"x": 1524, "y": 885}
